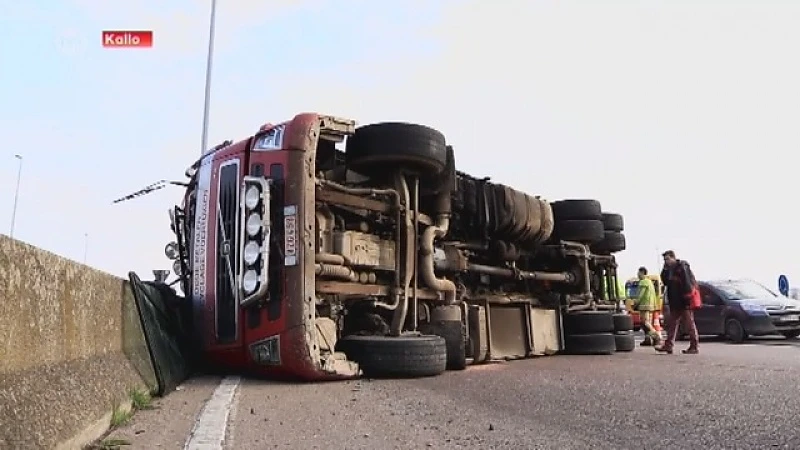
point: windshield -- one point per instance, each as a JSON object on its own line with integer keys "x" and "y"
{"x": 743, "y": 289}
{"x": 632, "y": 289}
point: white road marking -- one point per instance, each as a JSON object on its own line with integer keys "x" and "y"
{"x": 209, "y": 429}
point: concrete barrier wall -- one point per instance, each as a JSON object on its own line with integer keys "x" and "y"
{"x": 71, "y": 346}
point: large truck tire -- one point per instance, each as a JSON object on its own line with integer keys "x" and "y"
{"x": 612, "y": 242}
{"x": 622, "y": 322}
{"x": 397, "y": 357}
{"x": 577, "y": 210}
{"x": 446, "y": 321}
{"x": 455, "y": 341}
{"x": 583, "y": 231}
{"x": 383, "y": 146}
{"x": 613, "y": 222}
{"x": 624, "y": 341}
{"x": 588, "y": 322}
{"x": 590, "y": 344}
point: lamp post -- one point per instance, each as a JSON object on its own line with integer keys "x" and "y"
{"x": 204, "y": 144}
{"x": 16, "y": 196}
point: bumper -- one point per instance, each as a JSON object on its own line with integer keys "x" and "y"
{"x": 765, "y": 325}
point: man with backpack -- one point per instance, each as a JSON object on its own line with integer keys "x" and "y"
{"x": 681, "y": 295}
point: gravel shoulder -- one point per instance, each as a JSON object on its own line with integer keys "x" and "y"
{"x": 170, "y": 422}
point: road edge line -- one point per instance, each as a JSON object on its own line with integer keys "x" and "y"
{"x": 210, "y": 426}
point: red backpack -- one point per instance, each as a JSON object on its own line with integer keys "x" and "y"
{"x": 695, "y": 302}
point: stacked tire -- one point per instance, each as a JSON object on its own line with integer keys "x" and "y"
{"x": 613, "y": 240}
{"x": 624, "y": 340}
{"x": 578, "y": 221}
{"x": 589, "y": 333}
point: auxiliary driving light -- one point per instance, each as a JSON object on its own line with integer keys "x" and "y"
{"x": 250, "y": 281}
{"x": 176, "y": 267}
{"x": 253, "y": 224}
{"x": 252, "y": 197}
{"x": 171, "y": 251}
{"x": 251, "y": 252}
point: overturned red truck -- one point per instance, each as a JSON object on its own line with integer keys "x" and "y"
{"x": 306, "y": 260}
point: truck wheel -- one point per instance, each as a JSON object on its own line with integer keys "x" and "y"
{"x": 576, "y": 210}
{"x": 453, "y": 334}
{"x": 590, "y": 344}
{"x": 401, "y": 356}
{"x": 386, "y": 145}
{"x": 584, "y": 231}
{"x": 588, "y": 322}
{"x": 622, "y": 322}
{"x": 625, "y": 341}
{"x": 612, "y": 242}
{"x": 613, "y": 222}
{"x": 446, "y": 322}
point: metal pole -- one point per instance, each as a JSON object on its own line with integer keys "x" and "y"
{"x": 16, "y": 196}
{"x": 204, "y": 145}
{"x": 85, "y": 246}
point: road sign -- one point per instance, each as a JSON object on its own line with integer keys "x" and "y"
{"x": 783, "y": 285}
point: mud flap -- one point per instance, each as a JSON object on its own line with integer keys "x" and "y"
{"x": 165, "y": 333}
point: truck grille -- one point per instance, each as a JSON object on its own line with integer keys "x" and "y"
{"x": 226, "y": 308}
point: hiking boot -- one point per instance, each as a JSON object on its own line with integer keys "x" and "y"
{"x": 663, "y": 349}
{"x": 690, "y": 351}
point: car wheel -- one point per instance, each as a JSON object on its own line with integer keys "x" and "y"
{"x": 735, "y": 331}
{"x": 791, "y": 334}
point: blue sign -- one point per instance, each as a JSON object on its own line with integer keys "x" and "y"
{"x": 783, "y": 285}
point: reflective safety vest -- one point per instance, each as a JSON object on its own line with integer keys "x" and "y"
{"x": 647, "y": 298}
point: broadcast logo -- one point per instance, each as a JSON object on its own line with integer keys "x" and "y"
{"x": 127, "y": 39}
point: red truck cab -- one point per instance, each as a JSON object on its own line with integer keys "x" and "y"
{"x": 245, "y": 208}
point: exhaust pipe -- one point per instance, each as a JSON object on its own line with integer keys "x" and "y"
{"x": 438, "y": 230}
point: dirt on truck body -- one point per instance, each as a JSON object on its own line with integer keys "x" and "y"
{"x": 304, "y": 260}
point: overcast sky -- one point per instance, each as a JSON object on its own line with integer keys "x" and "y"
{"x": 681, "y": 115}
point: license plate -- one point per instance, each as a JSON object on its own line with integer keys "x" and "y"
{"x": 789, "y": 318}
{"x": 290, "y": 235}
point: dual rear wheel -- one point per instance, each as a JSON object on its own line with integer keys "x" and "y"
{"x": 598, "y": 333}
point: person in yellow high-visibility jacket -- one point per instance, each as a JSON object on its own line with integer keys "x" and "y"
{"x": 647, "y": 303}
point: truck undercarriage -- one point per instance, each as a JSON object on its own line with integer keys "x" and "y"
{"x": 387, "y": 259}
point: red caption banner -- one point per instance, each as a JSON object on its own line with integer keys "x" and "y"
{"x": 128, "y": 39}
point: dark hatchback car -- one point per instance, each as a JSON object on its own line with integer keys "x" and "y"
{"x": 737, "y": 309}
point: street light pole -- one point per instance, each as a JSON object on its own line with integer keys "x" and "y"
{"x": 204, "y": 144}
{"x": 16, "y": 196}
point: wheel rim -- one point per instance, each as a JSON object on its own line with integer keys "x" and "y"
{"x": 735, "y": 331}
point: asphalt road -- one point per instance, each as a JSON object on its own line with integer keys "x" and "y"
{"x": 728, "y": 397}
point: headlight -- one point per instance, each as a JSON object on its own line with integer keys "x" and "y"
{"x": 753, "y": 307}
{"x": 252, "y": 197}
{"x": 250, "y": 281}
{"x": 251, "y": 252}
{"x": 171, "y": 251}
{"x": 176, "y": 267}
{"x": 253, "y": 224}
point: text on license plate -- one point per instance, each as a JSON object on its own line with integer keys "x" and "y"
{"x": 290, "y": 235}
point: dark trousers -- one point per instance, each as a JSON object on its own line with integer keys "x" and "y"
{"x": 675, "y": 317}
